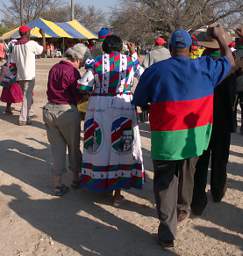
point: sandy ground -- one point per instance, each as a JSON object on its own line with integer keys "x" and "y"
{"x": 34, "y": 223}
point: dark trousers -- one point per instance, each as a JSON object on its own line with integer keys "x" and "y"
{"x": 219, "y": 151}
{"x": 173, "y": 188}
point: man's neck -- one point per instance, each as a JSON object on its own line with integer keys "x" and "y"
{"x": 74, "y": 64}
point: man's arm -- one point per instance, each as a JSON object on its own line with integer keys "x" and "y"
{"x": 43, "y": 41}
{"x": 144, "y": 91}
{"x": 86, "y": 83}
{"x": 138, "y": 69}
{"x": 218, "y": 33}
{"x": 146, "y": 62}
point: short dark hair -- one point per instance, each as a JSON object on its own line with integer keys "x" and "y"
{"x": 112, "y": 43}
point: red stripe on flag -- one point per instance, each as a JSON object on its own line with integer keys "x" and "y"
{"x": 181, "y": 115}
{"x": 90, "y": 131}
{"x": 116, "y": 135}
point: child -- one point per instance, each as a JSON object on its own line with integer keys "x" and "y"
{"x": 12, "y": 92}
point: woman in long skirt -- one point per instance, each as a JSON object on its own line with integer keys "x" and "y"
{"x": 112, "y": 158}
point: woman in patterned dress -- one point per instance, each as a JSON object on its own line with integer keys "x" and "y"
{"x": 112, "y": 158}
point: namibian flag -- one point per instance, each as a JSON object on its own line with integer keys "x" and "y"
{"x": 92, "y": 134}
{"x": 184, "y": 135}
{"x": 118, "y": 127}
{"x": 180, "y": 91}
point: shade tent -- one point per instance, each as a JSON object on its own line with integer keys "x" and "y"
{"x": 72, "y": 29}
{"x": 9, "y": 34}
{"x": 77, "y": 30}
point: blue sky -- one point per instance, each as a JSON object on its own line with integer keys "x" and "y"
{"x": 102, "y": 4}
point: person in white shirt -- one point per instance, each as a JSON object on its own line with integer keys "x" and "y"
{"x": 158, "y": 53}
{"x": 24, "y": 53}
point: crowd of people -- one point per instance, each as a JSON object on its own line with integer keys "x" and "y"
{"x": 190, "y": 102}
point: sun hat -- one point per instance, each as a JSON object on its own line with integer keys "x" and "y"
{"x": 180, "y": 39}
{"x": 207, "y": 41}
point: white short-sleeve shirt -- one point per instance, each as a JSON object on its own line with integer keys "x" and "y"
{"x": 24, "y": 57}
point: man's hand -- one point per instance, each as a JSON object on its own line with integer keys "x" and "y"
{"x": 239, "y": 31}
{"x": 217, "y": 32}
{"x": 131, "y": 47}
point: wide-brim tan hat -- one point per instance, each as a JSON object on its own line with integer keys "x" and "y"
{"x": 207, "y": 41}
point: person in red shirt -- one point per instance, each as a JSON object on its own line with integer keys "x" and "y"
{"x": 62, "y": 118}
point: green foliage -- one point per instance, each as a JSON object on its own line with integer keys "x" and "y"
{"x": 3, "y": 30}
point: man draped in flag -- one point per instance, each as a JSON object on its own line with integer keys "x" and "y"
{"x": 180, "y": 91}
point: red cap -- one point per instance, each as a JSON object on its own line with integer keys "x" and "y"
{"x": 232, "y": 44}
{"x": 159, "y": 41}
{"x": 24, "y": 29}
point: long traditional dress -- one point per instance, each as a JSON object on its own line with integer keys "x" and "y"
{"x": 112, "y": 157}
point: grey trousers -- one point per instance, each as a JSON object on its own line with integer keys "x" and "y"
{"x": 173, "y": 190}
{"x": 63, "y": 131}
{"x": 27, "y": 88}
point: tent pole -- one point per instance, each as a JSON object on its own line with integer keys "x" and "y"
{"x": 63, "y": 46}
{"x": 21, "y": 12}
{"x": 72, "y": 9}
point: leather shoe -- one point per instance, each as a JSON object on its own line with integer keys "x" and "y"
{"x": 167, "y": 244}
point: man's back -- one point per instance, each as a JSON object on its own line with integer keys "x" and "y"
{"x": 156, "y": 55}
{"x": 180, "y": 91}
{"x": 24, "y": 57}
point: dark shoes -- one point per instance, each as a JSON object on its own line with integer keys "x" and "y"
{"x": 61, "y": 190}
{"x": 75, "y": 184}
{"x": 167, "y": 244}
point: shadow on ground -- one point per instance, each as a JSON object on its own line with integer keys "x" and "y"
{"x": 14, "y": 119}
{"x": 103, "y": 236}
{"x": 229, "y": 217}
{"x": 26, "y": 163}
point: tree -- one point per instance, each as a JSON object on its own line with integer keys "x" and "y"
{"x": 146, "y": 17}
{"x": 91, "y": 17}
{"x": 53, "y": 10}
{"x": 32, "y": 9}
{"x": 3, "y": 30}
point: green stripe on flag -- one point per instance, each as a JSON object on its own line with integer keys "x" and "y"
{"x": 182, "y": 144}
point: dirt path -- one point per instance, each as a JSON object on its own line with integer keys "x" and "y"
{"x": 33, "y": 223}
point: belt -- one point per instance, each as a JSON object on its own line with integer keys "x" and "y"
{"x": 107, "y": 94}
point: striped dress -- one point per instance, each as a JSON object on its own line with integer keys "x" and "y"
{"x": 112, "y": 157}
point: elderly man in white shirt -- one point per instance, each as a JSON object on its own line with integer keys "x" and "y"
{"x": 24, "y": 53}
